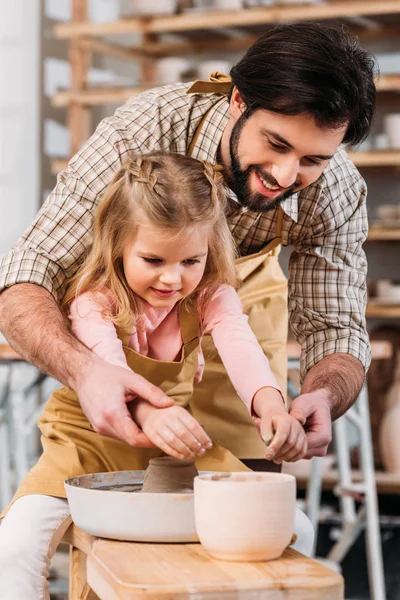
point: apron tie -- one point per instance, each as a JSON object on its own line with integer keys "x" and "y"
{"x": 218, "y": 83}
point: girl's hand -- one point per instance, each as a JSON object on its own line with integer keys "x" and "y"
{"x": 173, "y": 430}
{"x": 283, "y": 434}
{"x": 289, "y": 442}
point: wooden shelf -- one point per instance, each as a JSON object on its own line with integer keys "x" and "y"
{"x": 95, "y": 96}
{"x": 376, "y": 158}
{"x": 378, "y": 234}
{"x": 386, "y": 483}
{"x": 382, "y": 311}
{"x": 388, "y": 83}
{"x": 220, "y": 19}
{"x": 161, "y": 49}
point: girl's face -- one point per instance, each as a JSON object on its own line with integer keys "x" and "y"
{"x": 162, "y": 267}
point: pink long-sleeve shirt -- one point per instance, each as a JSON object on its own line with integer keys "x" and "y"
{"x": 159, "y": 337}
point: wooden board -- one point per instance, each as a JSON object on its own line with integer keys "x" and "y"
{"x": 127, "y": 570}
{"x": 8, "y": 354}
{"x": 386, "y": 483}
{"x": 382, "y": 311}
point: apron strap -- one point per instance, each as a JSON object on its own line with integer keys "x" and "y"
{"x": 189, "y": 324}
{"x": 218, "y": 83}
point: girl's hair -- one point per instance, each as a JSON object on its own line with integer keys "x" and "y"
{"x": 176, "y": 193}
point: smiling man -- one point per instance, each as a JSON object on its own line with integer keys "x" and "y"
{"x": 297, "y": 95}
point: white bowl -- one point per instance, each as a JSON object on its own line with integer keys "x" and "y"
{"x": 120, "y": 513}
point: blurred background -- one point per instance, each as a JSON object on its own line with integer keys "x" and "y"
{"x": 67, "y": 64}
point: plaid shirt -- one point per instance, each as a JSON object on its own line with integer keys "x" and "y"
{"x": 326, "y": 223}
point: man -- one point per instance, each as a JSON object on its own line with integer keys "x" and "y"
{"x": 298, "y": 94}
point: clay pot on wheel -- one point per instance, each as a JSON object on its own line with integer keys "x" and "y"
{"x": 245, "y": 516}
{"x": 167, "y": 475}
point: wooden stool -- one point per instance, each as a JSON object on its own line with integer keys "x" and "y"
{"x": 104, "y": 569}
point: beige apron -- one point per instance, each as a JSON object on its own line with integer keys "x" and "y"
{"x": 71, "y": 447}
{"x": 263, "y": 293}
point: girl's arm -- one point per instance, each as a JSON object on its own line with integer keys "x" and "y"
{"x": 245, "y": 362}
{"x": 251, "y": 375}
{"x": 96, "y": 332}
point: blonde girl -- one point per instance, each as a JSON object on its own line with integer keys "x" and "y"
{"x": 159, "y": 277}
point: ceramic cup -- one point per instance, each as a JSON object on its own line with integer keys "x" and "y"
{"x": 245, "y": 516}
{"x": 391, "y": 126}
{"x": 228, "y": 4}
{"x": 171, "y": 69}
{"x": 153, "y": 7}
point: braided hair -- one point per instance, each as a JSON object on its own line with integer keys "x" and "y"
{"x": 174, "y": 192}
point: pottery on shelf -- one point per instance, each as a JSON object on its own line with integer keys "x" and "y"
{"x": 389, "y": 439}
{"x": 245, "y": 516}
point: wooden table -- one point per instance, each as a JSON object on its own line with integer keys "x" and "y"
{"x": 109, "y": 570}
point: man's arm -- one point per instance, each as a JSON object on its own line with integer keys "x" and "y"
{"x": 327, "y": 300}
{"x": 328, "y": 391}
{"x": 36, "y": 328}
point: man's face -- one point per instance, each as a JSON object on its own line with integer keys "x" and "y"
{"x": 273, "y": 155}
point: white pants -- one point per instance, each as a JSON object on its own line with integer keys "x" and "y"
{"x": 32, "y": 530}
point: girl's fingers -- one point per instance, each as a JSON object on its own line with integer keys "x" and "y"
{"x": 297, "y": 452}
{"x": 194, "y": 435}
{"x": 282, "y": 431}
{"x": 168, "y": 448}
{"x": 290, "y": 445}
{"x": 173, "y": 438}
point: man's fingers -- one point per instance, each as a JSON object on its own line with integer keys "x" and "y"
{"x": 298, "y": 413}
{"x": 146, "y": 390}
{"x": 119, "y": 424}
{"x": 316, "y": 439}
{"x": 317, "y": 451}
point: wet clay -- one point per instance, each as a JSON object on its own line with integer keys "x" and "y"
{"x": 167, "y": 475}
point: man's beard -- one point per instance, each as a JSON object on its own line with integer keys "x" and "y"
{"x": 240, "y": 179}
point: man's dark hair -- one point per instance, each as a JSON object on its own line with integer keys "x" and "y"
{"x": 314, "y": 69}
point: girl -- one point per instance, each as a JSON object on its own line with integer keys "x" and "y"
{"x": 160, "y": 275}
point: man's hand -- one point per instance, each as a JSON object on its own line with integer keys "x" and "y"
{"x": 329, "y": 389}
{"x": 104, "y": 391}
{"x": 313, "y": 411}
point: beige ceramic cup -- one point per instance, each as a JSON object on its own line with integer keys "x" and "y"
{"x": 245, "y": 516}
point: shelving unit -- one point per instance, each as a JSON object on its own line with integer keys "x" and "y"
{"x": 220, "y": 19}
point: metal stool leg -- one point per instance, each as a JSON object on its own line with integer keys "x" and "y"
{"x": 313, "y": 495}
{"x": 5, "y": 454}
{"x": 368, "y": 514}
{"x": 342, "y": 449}
{"x": 374, "y": 544}
{"x": 18, "y": 410}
